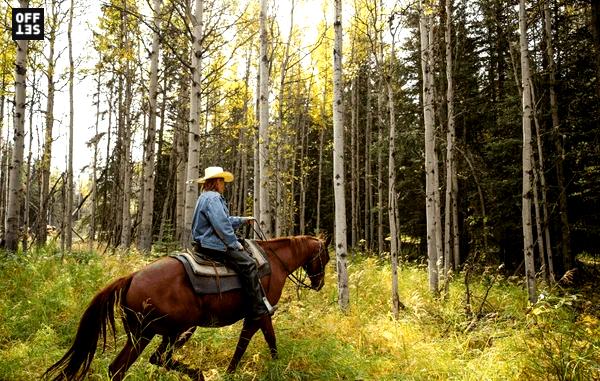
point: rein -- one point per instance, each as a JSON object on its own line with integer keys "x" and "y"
{"x": 295, "y": 279}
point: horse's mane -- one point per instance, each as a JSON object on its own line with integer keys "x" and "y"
{"x": 297, "y": 243}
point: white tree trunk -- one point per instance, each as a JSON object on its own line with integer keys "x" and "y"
{"x": 430, "y": 171}
{"x": 27, "y": 203}
{"x": 319, "y": 181}
{"x": 451, "y": 254}
{"x": 145, "y": 242}
{"x": 338, "y": 163}
{"x": 125, "y": 123}
{"x": 2, "y": 156}
{"x": 392, "y": 207}
{"x": 94, "y": 143}
{"x": 541, "y": 214}
{"x": 368, "y": 187}
{"x": 527, "y": 166}
{"x": 353, "y": 164}
{"x": 193, "y": 163}
{"x": 53, "y": 24}
{"x": 562, "y": 201}
{"x": 181, "y": 183}
{"x": 70, "y": 185}
{"x": 256, "y": 161}
{"x": 15, "y": 185}
{"x": 265, "y": 214}
{"x": 380, "y": 191}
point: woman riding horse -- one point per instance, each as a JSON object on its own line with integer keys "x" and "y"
{"x": 159, "y": 300}
{"x": 213, "y": 235}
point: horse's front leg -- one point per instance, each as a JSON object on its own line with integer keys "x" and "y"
{"x": 249, "y": 329}
{"x": 269, "y": 334}
{"x": 164, "y": 355}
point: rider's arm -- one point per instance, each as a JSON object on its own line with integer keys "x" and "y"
{"x": 222, "y": 223}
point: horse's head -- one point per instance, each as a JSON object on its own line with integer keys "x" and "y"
{"x": 316, "y": 263}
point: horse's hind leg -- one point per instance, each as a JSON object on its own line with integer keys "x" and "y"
{"x": 133, "y": 348}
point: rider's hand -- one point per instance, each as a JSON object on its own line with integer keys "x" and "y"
{"x": 250, "y": 220}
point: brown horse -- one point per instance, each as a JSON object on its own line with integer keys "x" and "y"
{"x": 159, "y": 300}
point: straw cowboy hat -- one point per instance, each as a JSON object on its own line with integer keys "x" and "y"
{"x": 216, "y": 173}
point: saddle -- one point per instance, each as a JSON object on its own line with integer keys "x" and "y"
{"x": 211, "y": 277}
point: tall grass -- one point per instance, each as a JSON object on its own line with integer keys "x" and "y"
{"x": 42, "y": 298}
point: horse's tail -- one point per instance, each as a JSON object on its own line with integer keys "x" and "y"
{"x": 99, "y": 315}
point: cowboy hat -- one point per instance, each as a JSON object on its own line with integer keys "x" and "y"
{"x": 216, "y": 173}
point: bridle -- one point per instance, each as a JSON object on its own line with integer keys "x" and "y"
{"x": 299, "y": 281}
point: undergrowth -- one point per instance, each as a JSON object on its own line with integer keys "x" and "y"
{"x": 43, "y": 295}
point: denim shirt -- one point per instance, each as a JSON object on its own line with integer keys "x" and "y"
{"x": 212, "y": 226}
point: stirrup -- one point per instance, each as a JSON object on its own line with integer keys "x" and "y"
{"x": 270, "y": 308}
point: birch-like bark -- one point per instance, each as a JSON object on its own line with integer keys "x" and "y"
{"x": 368, "y": 186}
{"x": 2, "y": 154}
{"x": 560, "y": 177}
{"x": 354, "y": 164}
{"x": 70, "y": 184}
{"x": 145, "y": 241}
{"x": 193, "y": 161}
{"x": 542, "y": 225}
{"x": 392, "y": 207}
{"x": 320, "y": 171}
{"x": 265, "y": 214}
{"x": 451, "y": 254}
{"x": 243, "y": 140}
{"x": 280, "y": 136}
{"x": 380, "y": 191}
{"x": 338, "y": 163}
{"x": 41, "y": 233}
{"x": 527, "y": 166}
{"x": 430, "y": 171}
{"x": 15, "y": 185}
{"x": 94, "y": 143}
{"x": 108, "y": 236}
{"x": 27, "y": 203}
{"x": 125, "y": 122}
{"x": 181, "y": 181}
{"x": 256, "y": 161}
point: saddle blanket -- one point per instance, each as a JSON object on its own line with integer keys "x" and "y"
{"x": 211, "y": 277}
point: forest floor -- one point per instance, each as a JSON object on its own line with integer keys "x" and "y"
{"x": 43, "y": 296}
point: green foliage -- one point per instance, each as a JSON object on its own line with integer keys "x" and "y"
{"x": 563, "y": 352}
{"x": 42, "y": 298}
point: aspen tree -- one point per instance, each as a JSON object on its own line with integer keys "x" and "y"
{"x": 94, "y": 143}
{"x": 392, "y": 207}
{"x": 70, "y": 186}
{"x": 15, "y": 185}
{"x": 560, "y": 177}
{"x": 54, "y": 20}
{"x": 527, "y": 165}
{"x": 145, "y": 241}
{"x": 265, "y": 214}
{"x": 430, "y": 160}
{"x": 191, "y": 190}
{"x": 451, "y": 254}
{"x": 338, "y": 162}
